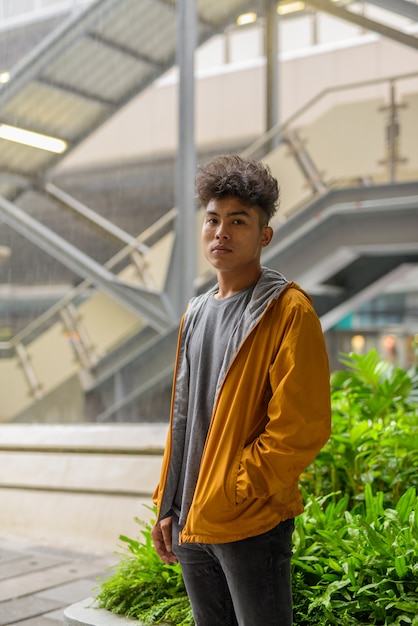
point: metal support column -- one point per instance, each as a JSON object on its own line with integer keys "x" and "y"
{"x": 272, "y": 68}
{"x": 183, "y": 268}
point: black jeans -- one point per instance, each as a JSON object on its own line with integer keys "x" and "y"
{"x": 241, "y": 583}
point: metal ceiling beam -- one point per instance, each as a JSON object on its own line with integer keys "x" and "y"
{"x": 392, "y": 33}
{"x": 133, "y": 54}
{"x": 85, "y": 95}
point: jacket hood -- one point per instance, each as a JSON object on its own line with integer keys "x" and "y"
{"x": 268, "y": 287}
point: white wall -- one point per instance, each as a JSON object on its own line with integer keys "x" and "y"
{"x": 230, "y": 98}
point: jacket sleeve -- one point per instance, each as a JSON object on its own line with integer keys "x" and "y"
{"x": 299, "y": 413}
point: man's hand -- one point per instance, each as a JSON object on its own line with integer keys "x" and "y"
{"x": 162, "y": 537}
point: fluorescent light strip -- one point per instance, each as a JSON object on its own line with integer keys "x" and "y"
{"x": 246, "y": 18}
{"x": 290, "y": 7}
{"x": 30, "y": 138}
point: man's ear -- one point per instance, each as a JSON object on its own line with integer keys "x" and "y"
{"x": 266, "y": 235}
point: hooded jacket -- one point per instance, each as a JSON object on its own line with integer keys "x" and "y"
{"x": 271, "y": 416}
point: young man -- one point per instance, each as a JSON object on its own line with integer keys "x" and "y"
{"x": 250, "y": 411}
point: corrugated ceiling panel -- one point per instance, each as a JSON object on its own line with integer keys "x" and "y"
{"x": 147, "y": 27}
{"x": 95, "y": 69}
{"x": 24, "y": 159}
{"x": 87, "y": 72}
{"x": 52, "y": 111}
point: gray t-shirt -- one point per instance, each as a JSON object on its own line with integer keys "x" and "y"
{"x": 205, "y": 353}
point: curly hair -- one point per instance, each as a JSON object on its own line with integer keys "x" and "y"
{"x": 248, "y": 180}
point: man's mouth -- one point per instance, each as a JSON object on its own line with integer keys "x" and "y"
{"x": 220, "y": 249}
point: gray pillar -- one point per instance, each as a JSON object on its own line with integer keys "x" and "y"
{"x": 272, "y": 67}
{"x": 181, "y": 287}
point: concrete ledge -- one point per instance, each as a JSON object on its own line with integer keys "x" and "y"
{"x": 85, "y": 613}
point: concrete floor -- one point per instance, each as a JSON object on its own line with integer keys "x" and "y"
{"x": 37, "y": 582}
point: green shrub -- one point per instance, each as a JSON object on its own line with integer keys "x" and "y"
{"x": 143, "y": 587}
{"x": 359, "y": 566}
{"x": 374, "y": 437}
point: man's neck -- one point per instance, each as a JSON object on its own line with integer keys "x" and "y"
{"x": 229, "y": 284}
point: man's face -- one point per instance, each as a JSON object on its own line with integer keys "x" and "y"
{"x": 232, "y": 236}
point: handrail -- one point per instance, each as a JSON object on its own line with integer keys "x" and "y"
{"x": 282, "y": 126}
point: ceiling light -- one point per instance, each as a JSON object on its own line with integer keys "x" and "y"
{"x": 246, "y": 18}
{"x": 290, "y": 7}
{"x": 357, "y": 343}
{"x": 35, "y": 140}
{"x": 5, "y": 252}
{"x": 4, "y": 77}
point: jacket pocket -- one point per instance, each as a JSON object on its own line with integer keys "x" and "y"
{"x": 242, "y": 481}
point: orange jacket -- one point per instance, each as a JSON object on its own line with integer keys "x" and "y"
{"x": 271, "y": 417}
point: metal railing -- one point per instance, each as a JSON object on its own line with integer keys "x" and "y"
{"x": 281, "y": 132}
{"x": 65, "y": 309}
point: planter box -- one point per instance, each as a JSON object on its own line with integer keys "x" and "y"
{"x": 86, "y": 613}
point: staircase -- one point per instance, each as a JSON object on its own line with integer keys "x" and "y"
{"x": 347, "y": 226}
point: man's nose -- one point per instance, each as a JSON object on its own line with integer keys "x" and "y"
{"x": 221, "y": 231}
